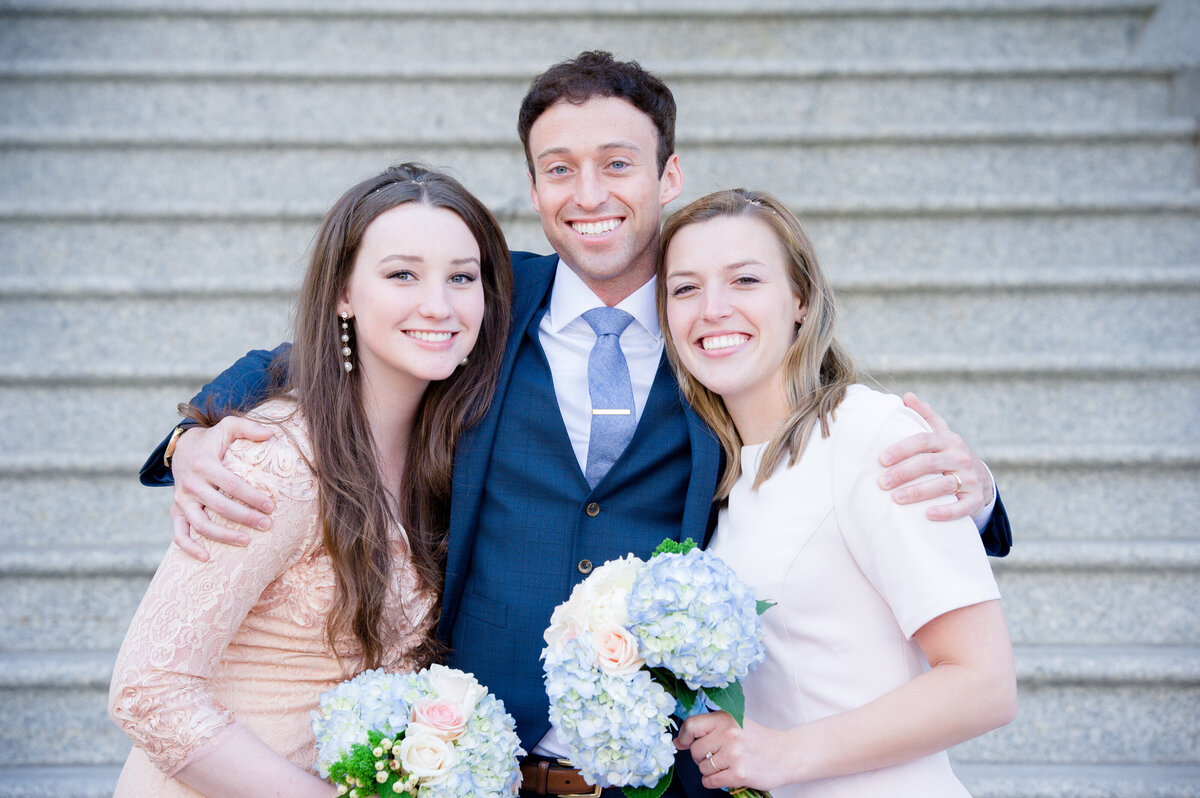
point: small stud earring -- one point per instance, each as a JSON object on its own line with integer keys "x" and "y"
{"x": 463, "y": 362}
{"x": 346, "y": 351}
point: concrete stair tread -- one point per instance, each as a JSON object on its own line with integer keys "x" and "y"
{"x": 74, "y": 781}
{"x": 669, "y": 70}
{"x": 1000, "y": 456}
{"x": 1077, "y": 364}
{"x": 386, "y": 8}
{"x": 729, "y": 133}
{"x": 1073, "y": 333}
{"x": 1140, "y": 202}
{"x": 265, "y": 109}
{"x": 1100, "y": 252}
{"x": 1008, "y": 780}
{"x": 1035, "y": 664}
{"x": 119, "y": 180}
{"x": 35, "y": 285}
{"x": 1014, "y": 419}
{"x": 1034, "y": 555}
{"x": 1036, "y": 780}
{"x": 1054, "y": 503}
{"x": 292, "y": 39}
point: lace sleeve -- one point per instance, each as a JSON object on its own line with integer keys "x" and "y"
{"x": 192, "y": 610}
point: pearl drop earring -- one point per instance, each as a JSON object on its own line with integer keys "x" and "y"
{"x": 346, "y": 351}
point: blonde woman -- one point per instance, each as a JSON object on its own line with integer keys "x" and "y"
{"x": 887, "y": 644}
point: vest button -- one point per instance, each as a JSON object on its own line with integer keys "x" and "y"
{"x": 585, "y": 567}
{"x": 593, "y": 509}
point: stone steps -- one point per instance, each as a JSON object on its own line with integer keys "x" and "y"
{"x": 1000, "y": 331}
{"x": 69, "y": 423}
{"x": 1142, "y": 684}
{"x": 1151, "y": 242}
{"x": 1071, "y": 499}
{"x": 1097, "y": 593}
{"x": 99, "y": 179}
{"x": 300, "y": 36}
{"x": 1004, "y": 192}
{"x": 983, "y": 781}
{"x": 1066, "y": 781}
{"x": 74, "y": 781}
{"x": 249, "y": 109}
{"x": 50, "y": 280}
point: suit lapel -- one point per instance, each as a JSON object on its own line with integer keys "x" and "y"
{"x": 699, "y": 513}
{"x": 532, "y": 278}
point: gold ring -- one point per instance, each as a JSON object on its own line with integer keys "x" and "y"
{"x": 957, "y": 479}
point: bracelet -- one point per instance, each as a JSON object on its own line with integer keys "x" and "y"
{"x": 170, "y": 452}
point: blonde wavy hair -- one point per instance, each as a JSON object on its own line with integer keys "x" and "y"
{"x": 817, "y": 369}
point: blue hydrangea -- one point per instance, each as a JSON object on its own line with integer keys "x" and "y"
{"x": 691, "y": 615}
{"x": 616, "y": 727}
{"x": 372, "y": 701}
{"x": 488, "y": 750}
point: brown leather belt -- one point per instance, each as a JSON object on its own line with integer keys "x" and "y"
{"x": 547, "y": 777}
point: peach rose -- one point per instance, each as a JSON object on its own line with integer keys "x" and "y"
{"x": 616, "y": 651}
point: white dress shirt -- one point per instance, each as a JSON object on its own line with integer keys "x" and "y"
{"x": 568, "y": 340}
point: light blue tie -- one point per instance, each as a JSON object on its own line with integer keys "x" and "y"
{"x": 611, "y": 392}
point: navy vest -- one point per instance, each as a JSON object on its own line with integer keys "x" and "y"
{"x": 541, "y": 528}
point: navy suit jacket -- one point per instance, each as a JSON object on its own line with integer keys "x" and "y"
{"x": 533, "y": 276}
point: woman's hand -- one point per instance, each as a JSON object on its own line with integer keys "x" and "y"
{"x": 733, "y": 756}
{"x": 202, "y": 481}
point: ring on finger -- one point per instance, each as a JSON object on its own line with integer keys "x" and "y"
{"x": 709, "y": 757}
{"x": 958, "y": 480}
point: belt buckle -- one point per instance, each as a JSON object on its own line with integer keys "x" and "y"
{"x": 595, "y": 793}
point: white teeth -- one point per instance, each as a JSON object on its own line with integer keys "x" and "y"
{"x": 595, "y": 228}
{"x": 433, "y": 337}
{"x": 723, "y": 341}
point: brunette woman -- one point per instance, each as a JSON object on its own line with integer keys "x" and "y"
{"x": 400, "y": 328}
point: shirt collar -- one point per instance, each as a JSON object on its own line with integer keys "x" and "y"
{"x": 570, "y": 298}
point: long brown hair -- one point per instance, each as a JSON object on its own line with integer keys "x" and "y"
{"x": 355, "y": 509}
{"x": 817, "y": 369}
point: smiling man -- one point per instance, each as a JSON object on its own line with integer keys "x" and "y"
{"x": 598, "y": 185}
{"x": 588, "y": 452}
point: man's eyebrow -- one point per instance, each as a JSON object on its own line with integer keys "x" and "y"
{"x": 612, "y": 145}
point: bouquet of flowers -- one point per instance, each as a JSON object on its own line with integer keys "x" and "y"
{"x": 437, "y": 733}
{"x": 637, "y": 642}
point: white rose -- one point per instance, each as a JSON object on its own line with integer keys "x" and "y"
{"x": 456, "y": 686}
{"x": 606, "y": 592}
{"x": 568, "y": 622}
{"x": 428, "y": 757}
{"x": 609, "y": 609}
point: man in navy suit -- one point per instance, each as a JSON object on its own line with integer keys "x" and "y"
{"x": 526, "y": 524}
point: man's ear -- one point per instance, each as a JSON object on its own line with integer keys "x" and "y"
{"x": 533, "y": 197}
{"x": 671, "y": 182}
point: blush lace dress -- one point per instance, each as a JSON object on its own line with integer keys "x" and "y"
{"x": 240, "y": 639}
